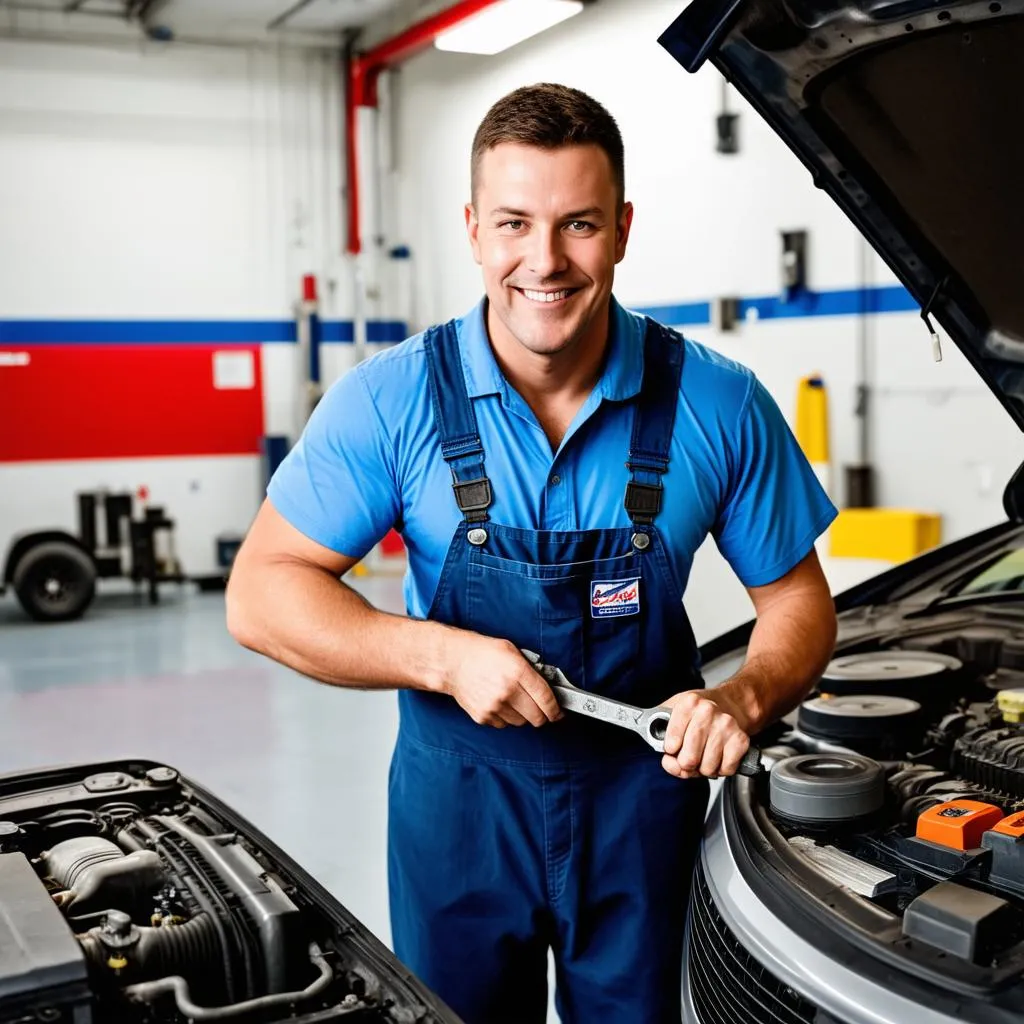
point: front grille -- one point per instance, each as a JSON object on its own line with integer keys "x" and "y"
{"x": 727, "y": 985}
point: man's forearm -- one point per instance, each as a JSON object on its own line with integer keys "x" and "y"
{"x": 789, "y": 648}
{"x": 309, "y": 620}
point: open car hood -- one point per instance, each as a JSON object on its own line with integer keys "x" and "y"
{"x": 903, "y": 113}
{"x": 130, "y": 895}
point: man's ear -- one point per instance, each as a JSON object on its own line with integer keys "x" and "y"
{"x": 625, "y": 222}
{"x": 472, "y": 229}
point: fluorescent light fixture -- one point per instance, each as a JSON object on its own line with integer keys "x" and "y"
{"x": 504, "y": 24}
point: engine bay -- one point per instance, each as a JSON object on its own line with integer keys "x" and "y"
{"x": 129, "y": 894}
{"x": 901, "y": 780}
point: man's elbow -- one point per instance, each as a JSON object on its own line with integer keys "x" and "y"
{"x": 240, "y": 614}
{"x": 827, "y": 630}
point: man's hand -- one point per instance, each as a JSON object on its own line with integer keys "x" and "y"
{"x": 495, "y": 685}
{"x": 704, "y": 737}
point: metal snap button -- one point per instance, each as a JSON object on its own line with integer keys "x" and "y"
{"x": 641, "y": 541}
{"x": 476, "y": 536}
{"x": 556, "y": 480}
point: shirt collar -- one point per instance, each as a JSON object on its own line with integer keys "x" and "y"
{"x": 623, "y": 369}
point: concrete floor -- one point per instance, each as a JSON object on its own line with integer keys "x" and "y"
{"x": 306, "y": 763}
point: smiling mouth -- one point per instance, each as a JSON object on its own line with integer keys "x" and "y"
{"x": 547, "y": 298}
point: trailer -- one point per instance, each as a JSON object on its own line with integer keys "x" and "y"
{"x": 54, "y": 573}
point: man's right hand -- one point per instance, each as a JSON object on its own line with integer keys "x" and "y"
{"x": 495, "y": 685}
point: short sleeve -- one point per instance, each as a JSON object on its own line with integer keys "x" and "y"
{"x": 775, "y": 508}
{"x": 338, "y": 485}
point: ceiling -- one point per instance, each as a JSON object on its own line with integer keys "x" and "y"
{"x": 302, "y": 22}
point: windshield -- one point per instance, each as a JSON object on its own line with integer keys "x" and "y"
{"x": 1004, "y": 576}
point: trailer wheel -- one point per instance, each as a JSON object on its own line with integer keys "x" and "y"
{"x": 55, "y": 581}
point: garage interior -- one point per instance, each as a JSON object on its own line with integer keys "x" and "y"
{"x": 213, "y": 209}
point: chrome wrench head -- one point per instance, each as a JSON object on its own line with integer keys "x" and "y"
{"x": 650, "y": 724}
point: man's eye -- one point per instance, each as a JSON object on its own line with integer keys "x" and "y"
{"x": 580, "y": 225}
{"x": 513, "y": 225}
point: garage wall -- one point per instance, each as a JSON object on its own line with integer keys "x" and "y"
{"x": 707, "y": 225}
{"x": 158, "y": 207}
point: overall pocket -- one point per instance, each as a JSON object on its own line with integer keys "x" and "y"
{"x": 585, "y": 617}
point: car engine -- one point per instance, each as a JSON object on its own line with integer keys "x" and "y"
{"x": 902, "y": 780}
{"x": 127, "y": 894}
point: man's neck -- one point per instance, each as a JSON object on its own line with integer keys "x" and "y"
{"x": 555, "y": 387}
{"x": 565, "y": 376}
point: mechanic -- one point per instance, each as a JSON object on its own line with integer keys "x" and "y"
{"x": 552, "y": 461}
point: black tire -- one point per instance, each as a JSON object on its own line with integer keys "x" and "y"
{"x": 55, "y": 581}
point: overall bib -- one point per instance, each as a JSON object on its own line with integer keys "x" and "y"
{"x": 505, "y": 842}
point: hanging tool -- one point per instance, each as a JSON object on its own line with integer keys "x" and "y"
{"x": 651, "y": 724}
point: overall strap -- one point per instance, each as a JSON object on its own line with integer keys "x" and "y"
{"x": 653, "y": 422}
{"x": 456, "y": 422}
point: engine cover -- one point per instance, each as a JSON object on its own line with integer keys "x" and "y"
{"x": 42, "y": 967}
{"x": 827, "y": 787}
{"x": 923, "y": 676}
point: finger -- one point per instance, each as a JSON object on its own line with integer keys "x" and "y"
{"x": 677, "y": 724}
{"x": 671, "y": 765}
{"x": 711, "y": 762}
{"x": 541, "y": 695}
{"x": 735, "y": 747}
{"x": 697, "y": 729}
{"x": 511, "y": 716}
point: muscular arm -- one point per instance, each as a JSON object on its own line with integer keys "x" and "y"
{"x": 286, "y": 600}
{"x": 789, "y": 648}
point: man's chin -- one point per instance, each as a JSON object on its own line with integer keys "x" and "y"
{"x": 546, "y": 345}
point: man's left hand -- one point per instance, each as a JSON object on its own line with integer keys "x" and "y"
{"x": 704, "y": 737}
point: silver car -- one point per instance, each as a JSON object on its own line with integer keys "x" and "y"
{"x": 875, "y": 872}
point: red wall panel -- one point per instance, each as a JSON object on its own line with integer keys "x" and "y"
{"x": 123, "y": 401}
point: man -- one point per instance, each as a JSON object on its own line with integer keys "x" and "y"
{"x": 502, "y": 445}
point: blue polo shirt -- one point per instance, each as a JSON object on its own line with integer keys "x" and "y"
{"x": 370, "y": 459}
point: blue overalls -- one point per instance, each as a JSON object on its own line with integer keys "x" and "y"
{"x": 503, "y": 842}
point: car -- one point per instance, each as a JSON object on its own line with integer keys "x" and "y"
{"x": 130, "y": 893}
{"x": 875, "y": 871}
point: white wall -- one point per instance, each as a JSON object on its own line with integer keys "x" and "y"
{"x": 180, "y": 182}
{"x": 708, "y": 225}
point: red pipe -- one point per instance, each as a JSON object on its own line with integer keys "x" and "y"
{"x": 364, "y": 71}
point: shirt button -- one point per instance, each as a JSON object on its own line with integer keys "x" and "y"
{"x": 556, "y": 479}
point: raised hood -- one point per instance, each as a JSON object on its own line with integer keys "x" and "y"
{"x": 908, "y": 115}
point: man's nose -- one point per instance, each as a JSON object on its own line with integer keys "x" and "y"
{"x": 547, "y": 256}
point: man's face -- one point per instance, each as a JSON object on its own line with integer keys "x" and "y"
{"x": 546, "y": 230}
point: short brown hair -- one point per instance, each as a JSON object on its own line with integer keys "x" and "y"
{"x": 549, "y": 116}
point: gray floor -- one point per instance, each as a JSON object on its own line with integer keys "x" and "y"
{"x": 306, "y": 763}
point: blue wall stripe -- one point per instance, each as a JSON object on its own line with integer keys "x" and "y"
{"x": 686, "y": 315}
{"x": 133, "y": 332}
{"x": 842, "y": 302}
{"x": 376, "y": 330}
{"x": 191, "y": 332}
{"x": 847, "y": 302}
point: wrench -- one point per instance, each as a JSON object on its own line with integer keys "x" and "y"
{"x": 650, "y": 724}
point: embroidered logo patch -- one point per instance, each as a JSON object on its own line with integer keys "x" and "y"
{"x": 619, "y": 597}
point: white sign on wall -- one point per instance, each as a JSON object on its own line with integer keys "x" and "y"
{"x": 234, "y": 370}
{"x": 14, "y": 359}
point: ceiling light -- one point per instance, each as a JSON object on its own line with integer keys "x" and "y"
{"x": 504, "y": 24}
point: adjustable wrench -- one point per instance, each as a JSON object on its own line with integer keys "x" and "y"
{"x": 650, "y": 724}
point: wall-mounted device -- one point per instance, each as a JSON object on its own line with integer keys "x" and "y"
{"x": 727, "y": 138}
{"x": 794, "y": 264}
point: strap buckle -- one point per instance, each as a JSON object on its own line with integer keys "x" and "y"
{"x": 473, "y": 497}
{"x": 643, "y": 501}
